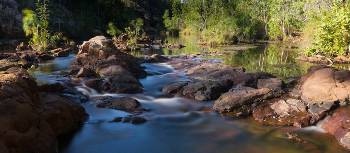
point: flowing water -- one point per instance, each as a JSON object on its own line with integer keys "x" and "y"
{"x": 178, "y": 125}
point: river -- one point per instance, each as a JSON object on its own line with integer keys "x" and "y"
{"x": 179, "y": 125}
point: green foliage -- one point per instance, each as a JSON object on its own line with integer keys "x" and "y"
{"x": 219, "y": 21}
{"x": 36, "y": 26}
{"x": 134, "y": 31}
{"x": 286, "y": 18}
{"x": 113, "y": 30}
{"x": 30, "y": 22}
{"x": 333, "y": 34}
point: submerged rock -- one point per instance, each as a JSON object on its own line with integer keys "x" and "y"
{"x": 124, "y": 103}
{"x": 285, "y": 112}
{"x": 130, "y": 119}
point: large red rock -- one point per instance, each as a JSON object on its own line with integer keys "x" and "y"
{"x": 338, "y": 124}
{"x": 322, "y": 87}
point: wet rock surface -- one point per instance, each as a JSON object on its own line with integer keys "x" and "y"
{"x": 28, "y": 114}
{"x": 210, "y": 80}
{"x": 316, "y": 94}
{"x": 130, "y": 119}
{"x": 300, "y": 102}
{"x": 156, "y": 58}
{"x": 116, "y": 71}
{"x": 241, "y": 100}
{"x": 122, "y": 103}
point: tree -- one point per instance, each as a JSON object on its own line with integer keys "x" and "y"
{"x": 333, "y": 34}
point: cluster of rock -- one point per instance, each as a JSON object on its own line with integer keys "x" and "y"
{"x": 106, "y": 69}
{"x": 297, "y": 102}
{"x": 31, "y": 118}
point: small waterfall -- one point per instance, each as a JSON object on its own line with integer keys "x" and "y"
{"x": 317, "y": 127}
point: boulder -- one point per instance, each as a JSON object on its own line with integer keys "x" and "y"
{"x": 323, "y": 87}
{"x": 338, "y": 124}
{"x": 86, "y": 72}
{"x": 122, "y": 84}
{"x": 31, "y": 121}
{"x": 124, "y": 103}
{"x": 218, "y": 72}
{"x": 206, "y": 90}
{"x": 156, "y": 58}
{"x": 97, "y": 44}
{"x": 174, "y": 88}
{"x": 112, "y": 70}
{"x": 118, "y": 71}
{"x": 95, "y": 84}
{"x": 63, "y": 115}
{"x": 241, "y": 100}
{"x": 115, "y": 84}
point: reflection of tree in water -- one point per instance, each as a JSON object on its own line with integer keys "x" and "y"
{"x": 48, "y": 68}
{"x": 274, "y": 59}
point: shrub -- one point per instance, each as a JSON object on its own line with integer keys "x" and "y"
{"x": 333, "y": 34}
{"x": 134, "y": 31}
{"x": 36, "y": 26}
{"x": 112, "y": 30}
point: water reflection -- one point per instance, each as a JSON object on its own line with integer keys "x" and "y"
{"x": 52, "y": 71}
{"x": 277, "y": 59}
{"x": 273, "y": 58}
